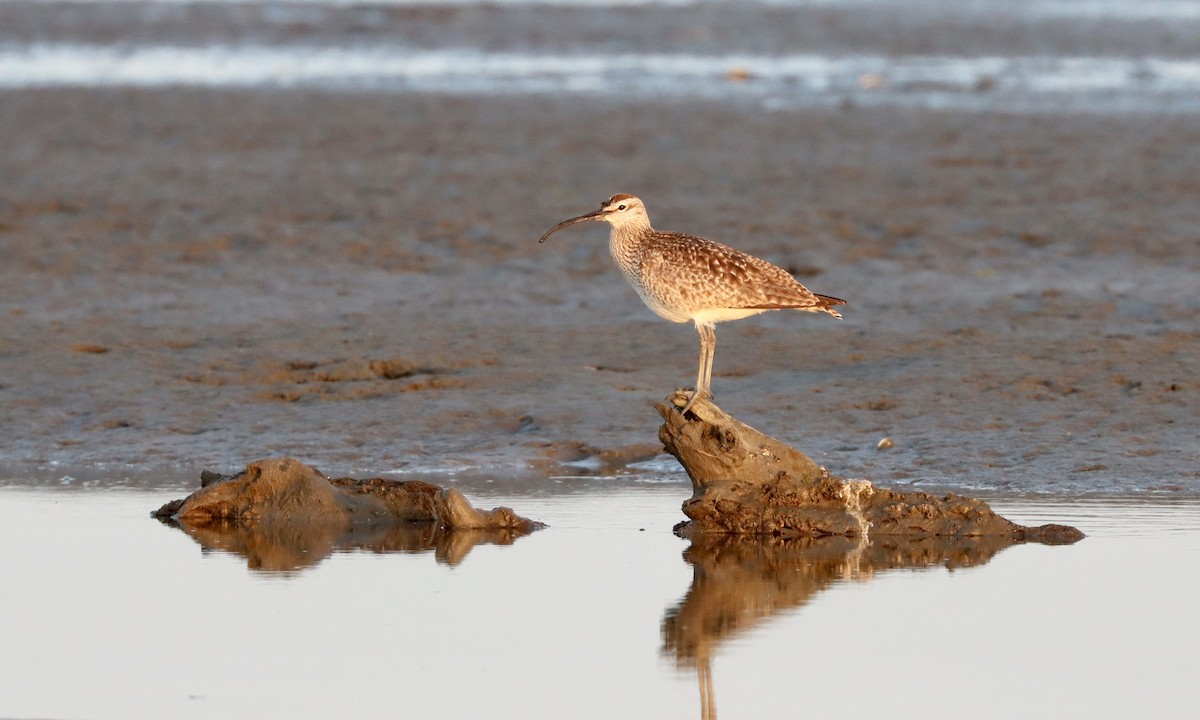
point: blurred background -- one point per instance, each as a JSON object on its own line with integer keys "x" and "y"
{"x": 1099, "y": 55}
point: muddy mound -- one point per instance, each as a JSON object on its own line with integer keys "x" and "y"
{"x": 283, "y": 515}
{"x": 745, "y": 482}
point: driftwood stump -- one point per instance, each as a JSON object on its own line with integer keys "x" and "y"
{"x": 745, "y": 482}
{"x": 285, "y": 490}
{"x": 284, "y": 515}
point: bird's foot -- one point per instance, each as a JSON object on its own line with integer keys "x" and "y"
{"x": 692, "y": 396}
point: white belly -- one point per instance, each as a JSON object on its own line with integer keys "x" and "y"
{"x": 716, "y": 315}
{"x": 705, "y": 316}
{"x": 663, "y": 311}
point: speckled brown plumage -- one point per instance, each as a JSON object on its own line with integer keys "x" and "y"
{"x": 688, "y": 278}
{"x": 688, "y": 275}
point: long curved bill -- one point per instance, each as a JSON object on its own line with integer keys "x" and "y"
{"x": 582, "y": 218}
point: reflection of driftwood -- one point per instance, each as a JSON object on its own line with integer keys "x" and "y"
{"x": 738, "y": 580}
{"x": 745, "y": 482}
{"x": 283, "y": 514}
{"x": 272, "y": 546}
{"x": 741, "y": 580}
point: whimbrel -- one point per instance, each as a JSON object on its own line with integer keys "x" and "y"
{"x": 684, "y": 277}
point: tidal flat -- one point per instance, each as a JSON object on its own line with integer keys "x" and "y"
{"x": 196, "y": 278}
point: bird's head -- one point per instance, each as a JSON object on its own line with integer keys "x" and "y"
{"x": 620, "y": 211}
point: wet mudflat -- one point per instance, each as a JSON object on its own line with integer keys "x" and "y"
{"x": 121, "y": 616}
{"x": 200, "y": 277}
{"x": 246, "y": 260}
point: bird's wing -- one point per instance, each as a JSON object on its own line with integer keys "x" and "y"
{"x": 717, "y": 275}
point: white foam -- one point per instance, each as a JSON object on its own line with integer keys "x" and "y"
{"x": 940, "y": 78}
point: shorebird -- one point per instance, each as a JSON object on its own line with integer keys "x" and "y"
{"x": 684, "y": 277}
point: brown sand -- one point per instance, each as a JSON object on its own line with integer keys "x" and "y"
{"x": 196, "y": 278}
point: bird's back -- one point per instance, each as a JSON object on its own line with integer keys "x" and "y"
{"x": 684, "y": 276}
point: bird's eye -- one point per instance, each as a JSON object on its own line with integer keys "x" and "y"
{"x": 620, "y": 207}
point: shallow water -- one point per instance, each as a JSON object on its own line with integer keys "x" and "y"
{"x": 980, "y": 56}
{"x": 778, "y": 81}
{"x": 112, "y": 614}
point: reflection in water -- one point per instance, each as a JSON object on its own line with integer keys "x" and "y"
{"x": 739, "y": 581}
{"x": 286, "y": 547}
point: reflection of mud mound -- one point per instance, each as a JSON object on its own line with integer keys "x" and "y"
{"x": 283, "y": 514}
{"x": 745, "y": 482}
{"x": 740, "y": 580}
{"x": 284, "y": 547}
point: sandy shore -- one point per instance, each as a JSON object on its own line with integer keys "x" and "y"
{"x": 194, "y": 279}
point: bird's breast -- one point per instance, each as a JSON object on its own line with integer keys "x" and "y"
{"x": 676, "y": 279}
{"x": 665, "y": 310}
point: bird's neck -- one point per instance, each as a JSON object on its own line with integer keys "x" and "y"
{"x": 624, "y": 242}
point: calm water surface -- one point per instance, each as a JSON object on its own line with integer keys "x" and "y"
{"x": 110, "y": 614}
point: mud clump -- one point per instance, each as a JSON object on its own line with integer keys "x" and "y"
{"x": 284, "y": 516}
{"x": 286, "y": 491}
{"x": 745, "y": 482}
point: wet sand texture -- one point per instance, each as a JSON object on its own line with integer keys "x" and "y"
{"x": 279, "y": 510}
{"x": 747, "y": 483}
{"x": 355, "y": 277}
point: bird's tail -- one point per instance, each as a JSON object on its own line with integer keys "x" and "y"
{"x": 827, "y": 304}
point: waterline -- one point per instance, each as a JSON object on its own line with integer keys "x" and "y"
{"x": 635, "y": 74}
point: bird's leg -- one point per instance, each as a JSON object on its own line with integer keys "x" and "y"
{"x": 708, "y": 346}
{"x": 711, "y": 336}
